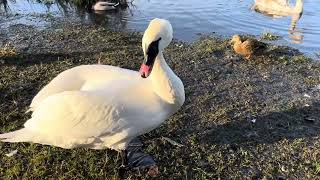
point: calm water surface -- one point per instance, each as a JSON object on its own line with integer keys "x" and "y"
{"x": 188, "y": 17}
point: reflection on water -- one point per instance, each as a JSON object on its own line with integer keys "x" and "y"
{"x": 3, "y": 5}
{"x": 111, "y": 19}
{"x": 191, "y": 17}
{"x": 296, "y": 36}
{"x": 282, "y": 8}
{"x": 31, "y": 12}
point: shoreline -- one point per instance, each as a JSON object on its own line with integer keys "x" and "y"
{"x": 43, "y": 21}
{"x": 241, "y": 119}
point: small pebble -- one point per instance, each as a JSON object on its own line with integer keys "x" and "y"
{"x": 307, "y": 96}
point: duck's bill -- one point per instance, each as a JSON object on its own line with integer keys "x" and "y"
{"x": 145, "y": 70}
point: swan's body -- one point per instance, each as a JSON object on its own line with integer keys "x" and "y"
{"x": 100, "y": 106}
{"x": 104, "y": 6}
{"x": 278, "y": 8}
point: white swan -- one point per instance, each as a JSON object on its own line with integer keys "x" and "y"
{"x": 278, "y": 8}
{"x": 100, "y": 106}
{"x": 104, "y": 6}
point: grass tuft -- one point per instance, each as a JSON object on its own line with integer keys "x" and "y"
{"x": 7, "y": 50}
{"x": 317, "y": 168}
{"x": 268, "y": 36}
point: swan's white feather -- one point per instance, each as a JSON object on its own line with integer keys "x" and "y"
{"x": 111, "y": 108}
{"x": 106, "y": 115}
{"x": 84, "y": 77}
{"x": 100, "y": 106}
{"x": 278, "y": 8}
{"x": 72, "y": 110}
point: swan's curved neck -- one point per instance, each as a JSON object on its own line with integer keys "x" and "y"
{"x": 165, "y": 83}
{"x": 299, "y": 6}
{"x": 295, "y": 18}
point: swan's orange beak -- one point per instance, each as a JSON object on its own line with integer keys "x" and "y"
{"x": 145, "y": 70}
{"x": 149, "y": 58}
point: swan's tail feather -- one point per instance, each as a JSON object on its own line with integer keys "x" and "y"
{"x": 22, "y": 135}
{"x": 27, "y": 135}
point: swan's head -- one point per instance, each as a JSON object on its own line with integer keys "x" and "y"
{"x": 157, "y": 36}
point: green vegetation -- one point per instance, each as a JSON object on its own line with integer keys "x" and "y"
{"x": 317, "y": 167}
{"x": 268, "y": 36}
{"x": 241, "y": 119}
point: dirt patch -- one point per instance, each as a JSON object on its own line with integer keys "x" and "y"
{"x": 241, "y": 119}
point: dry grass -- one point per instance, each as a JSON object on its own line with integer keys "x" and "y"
{"x": 7, "y": 50}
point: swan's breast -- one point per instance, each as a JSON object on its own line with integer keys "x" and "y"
{"x": 140, "y": 106}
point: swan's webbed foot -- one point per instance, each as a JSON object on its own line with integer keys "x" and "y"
{"x": 139, "y": 160}
{"x": 134, "y": 158}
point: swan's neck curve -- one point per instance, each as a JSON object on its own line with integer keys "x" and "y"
{"x": 298, "y": 8}
{"x": 295, "y": 18}
{"x": 166, "y": 84}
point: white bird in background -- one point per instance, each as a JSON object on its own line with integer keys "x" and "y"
{"x": 278, "y": 7}
{"x": 101, "y": 106}
{"x": 104, "y": 6}
{"x": 282, "y": 8}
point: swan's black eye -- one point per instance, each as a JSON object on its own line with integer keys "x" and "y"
{"x": 152, "y": 52}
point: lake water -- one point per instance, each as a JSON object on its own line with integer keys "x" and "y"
{"x": 188, "y": 17}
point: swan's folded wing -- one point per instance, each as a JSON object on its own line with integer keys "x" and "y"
{"x": 75, "y": 114}
{"x": 283, "y": 2}
{"x": 84, "y": 77}
{"x": 65, "y": 81}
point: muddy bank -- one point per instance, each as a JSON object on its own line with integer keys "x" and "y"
{"x": 241, "y": 119}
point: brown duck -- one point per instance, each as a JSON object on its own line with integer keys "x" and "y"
{"x": 248, "y": 47}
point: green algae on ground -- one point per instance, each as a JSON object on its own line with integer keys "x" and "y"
{"x": 241, "y": 119}
{"x": 268, "y": 36}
